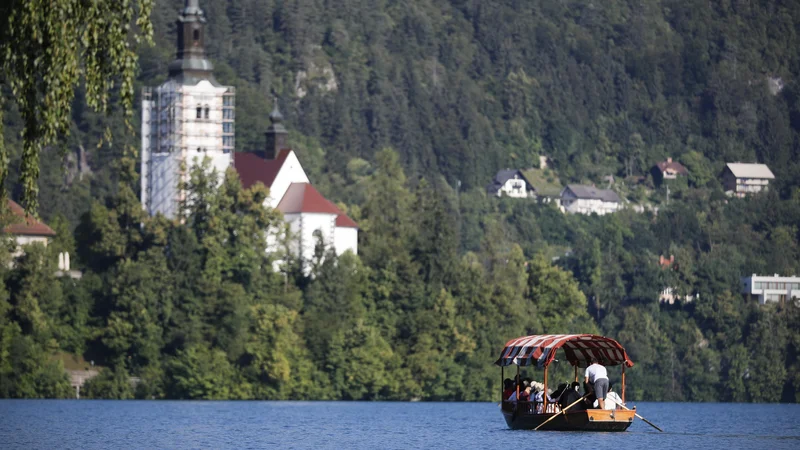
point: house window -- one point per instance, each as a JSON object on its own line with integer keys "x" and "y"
{"x": 206, "y": 112}
{"x": 198, "y": 149}
{"x": 227, "y": 127}
{"x": 199, "y": 112}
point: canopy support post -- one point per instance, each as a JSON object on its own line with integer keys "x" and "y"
{"x": 517, "y": 383}
{"x": 544, "y": 396}
{"x": 502, "y": 382}
{"x": 576, "y": 373}
{"x": 623, "y": 383}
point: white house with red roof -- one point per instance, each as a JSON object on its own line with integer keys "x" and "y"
{"x": 171, "y": 142}
{"x": 290, "y": 192}
{"x": 25, "y": 229}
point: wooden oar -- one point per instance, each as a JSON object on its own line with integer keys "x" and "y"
{"x": 562, "y": 412}
{"x": 643, "y": 419}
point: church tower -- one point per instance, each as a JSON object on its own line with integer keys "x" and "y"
{"x": 276, "y": 135}
{"x": 188, "y": 118}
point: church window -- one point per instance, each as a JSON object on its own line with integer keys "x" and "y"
{"x": 199, "y": 112}
{"x": 196, "y": 35}
{"x": 206, "y": 112}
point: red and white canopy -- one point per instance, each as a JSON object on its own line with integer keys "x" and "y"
{"x": 579, "y": 349}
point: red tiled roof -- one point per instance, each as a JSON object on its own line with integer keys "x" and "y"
{"x": 674, "y": 165}
{"x": 345, "y": 222}
{"x": 253, "y": 168}
{"x": 26, "y": 225}
{"x": 303, "y": 198}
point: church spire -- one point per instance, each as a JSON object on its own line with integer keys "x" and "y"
{"x": 276, "y": 134}
{"x": 190, "y": 64}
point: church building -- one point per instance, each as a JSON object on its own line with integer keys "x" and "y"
{"x": 191, "y": 116}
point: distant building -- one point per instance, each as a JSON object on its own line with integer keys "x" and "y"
{"x": 669, "y": 296}
{"x": 26, "y": 229}
{"x": 740, "y": 180}
{"x": 667, "y": 263}
{"x": 579, "y": 199}
{"x": 668, "y": 170}
{"x": 186, "y": 119}
{"x": 511, "y": 182}
{"x": 191, "y": 116}
{"x": 303, "y": 207}
{"x": 771, "y": 288}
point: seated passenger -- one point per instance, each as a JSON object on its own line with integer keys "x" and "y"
{"x": 508, "y": 388}
{"x": 571, "y": 395}
{"x": 560, "y": 391}
{"x": 525, "y": 398}
{"x": 538, "y": 400}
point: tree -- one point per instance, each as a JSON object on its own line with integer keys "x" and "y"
{"x": 49, "y": 48}
{"x": 558, "y": 305}
{"x": 112, "y": 384}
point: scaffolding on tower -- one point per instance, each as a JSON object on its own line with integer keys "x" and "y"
{"x": 174, "y": 117}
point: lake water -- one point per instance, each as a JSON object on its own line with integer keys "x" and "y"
{"x": 89, "y": 424}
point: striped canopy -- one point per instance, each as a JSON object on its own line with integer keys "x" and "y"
{"x": 579, "y": 348}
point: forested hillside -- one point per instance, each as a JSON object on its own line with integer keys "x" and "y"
{"x": 404, "y": 111}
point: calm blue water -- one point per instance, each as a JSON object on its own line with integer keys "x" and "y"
{"x": 90, "y": 424}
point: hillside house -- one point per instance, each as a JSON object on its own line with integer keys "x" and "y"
{"x": 25, "y": 229}
{"x": 740, "y": 180}
{"x": 512, "y": 183}
{"x": 775, "y": 288}
{"x": 668, "y": 170}
{"x": 669, "y": 295}
{"x": 580, "y": 199}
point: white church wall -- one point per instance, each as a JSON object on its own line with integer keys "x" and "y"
{"x": 311, "y": 222}
{"x": 345, "y": 238}
{"x": 291, "y": 172}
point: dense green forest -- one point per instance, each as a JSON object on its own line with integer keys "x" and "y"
{"x": 403, "y": 112}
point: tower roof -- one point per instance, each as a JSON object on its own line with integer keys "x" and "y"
{"x": 276, "y": 120}
{"x": 190, "y": 65}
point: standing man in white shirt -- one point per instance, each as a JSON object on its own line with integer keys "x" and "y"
{"x": 597, "y": 377}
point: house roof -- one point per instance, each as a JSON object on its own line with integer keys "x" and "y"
{"x": 304, "y": 198}
{"x": 674, "y": 165}
{"x": 253, "y": 168}
{"x": 741, "y": 170}
{"x": 591, "y": 192}
{"x": 26, "y": 225}
{"x": 505, "y": 175}
{"x": 343, "y": 221}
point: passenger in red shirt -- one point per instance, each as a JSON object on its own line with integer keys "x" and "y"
{"x": 508, "y": 388}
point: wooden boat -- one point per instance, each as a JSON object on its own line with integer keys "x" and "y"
{"x": 579, "y": 349}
